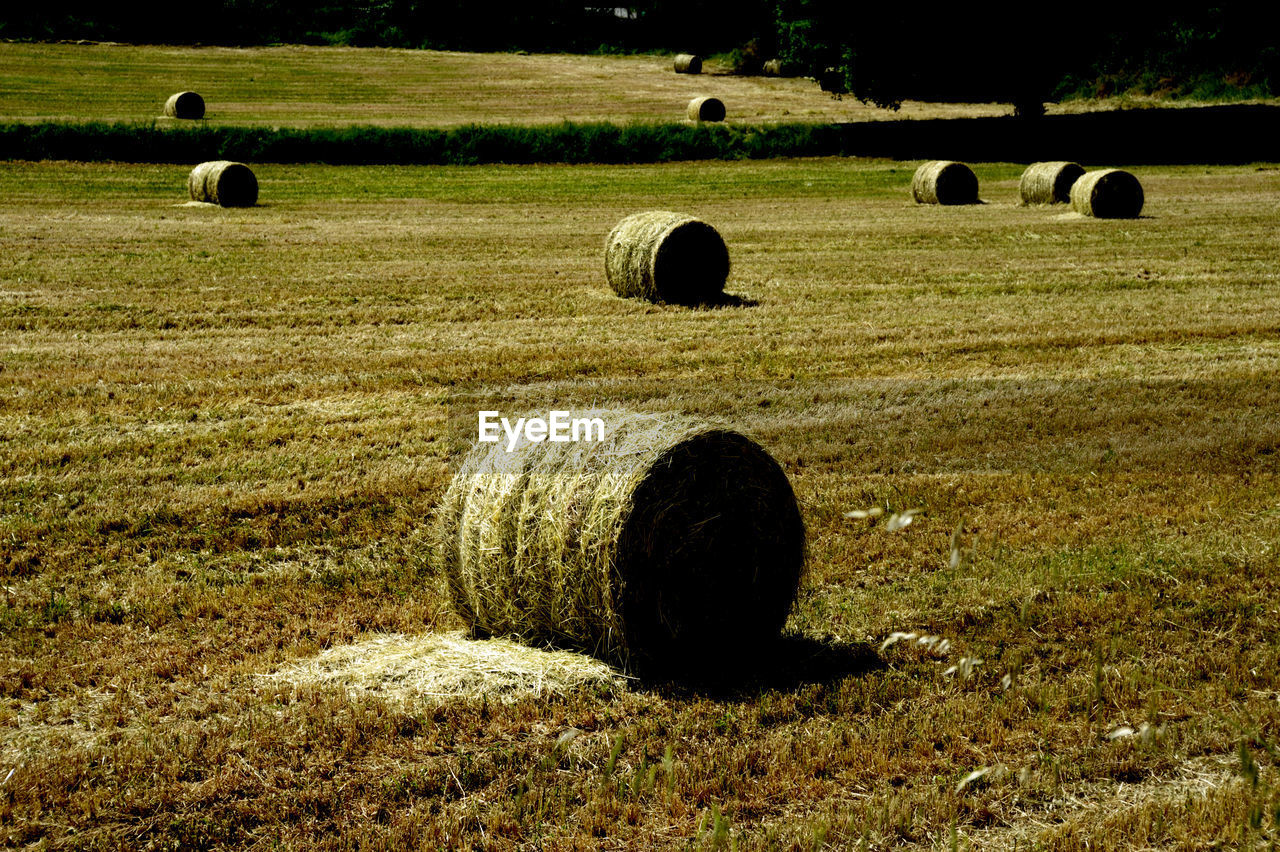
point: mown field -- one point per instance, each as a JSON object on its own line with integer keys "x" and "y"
{"x": 222, "y": 434}
{"x": 292, "y": 86}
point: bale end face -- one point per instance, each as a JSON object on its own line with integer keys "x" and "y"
{"x": 688, "y": 63}
{"x": 668, "y": 547}
{"x": 944, "y": 182}
{"x": 224, "y": 183}
{"x": 1108, "y": 194}
{"x": 706, "y": 109}
{"x": 666, "y": 257}
{"x": 184, "y": 105}
{"x": 1049, "y": 183}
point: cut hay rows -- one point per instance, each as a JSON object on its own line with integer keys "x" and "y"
{"x": 440, "y": 667}
{"x": 1049, "y": 183}
{"x": 706, "y": 109}
{"x": 666, "y": 257}
{"x": 944, "y": 182}
{"x": 671, "y": 547}
{"x": 223, "y": 182}
{"x": 688, "y": 63}
{"x": 186, "y": 105}
{"x": 1107, "y": 194}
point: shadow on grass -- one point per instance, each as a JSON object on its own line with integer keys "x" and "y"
{"x": 790, "y": 663}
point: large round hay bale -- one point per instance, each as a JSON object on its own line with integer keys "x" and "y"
{"x": 1049, "y": 183}
{"x": 184, "y": 105}
{"x": 706, "y": 109}
{"x": 688, "y": 63}
{"x": 944, "y": 182}
{"x": 1107, "y": 194}
{"x": 223, "y": 182}
{"x": 666, "y": 257}
{"x": 670, "y": 546}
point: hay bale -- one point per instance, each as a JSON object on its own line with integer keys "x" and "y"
{"x": 223, "y": 182}
{"x": 670, "y": 546}
{"x": 1049, "y": 183}
{"x": 772, "y": 68}
{"x": 666, "y": 257}
{"x": 706, "y": 109}
{"x": 688, "y": 63}
{"x": 944, "y": 182}
{"x": 184, "y": 105}
{"x": 1107, "y": 194}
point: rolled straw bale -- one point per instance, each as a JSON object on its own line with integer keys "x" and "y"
{"x": 944, "y": 182}
{"x": 184, "y": 105}
{"x": 223, "y": 182}
{"x": 706, "y": 109}
{"x": 1107, "y": 194}
{"x": 666, "y": 257}
{"x": 1049, "y": 183}
{"x": 668, "y": 546}
{"x": 688, "y": 63}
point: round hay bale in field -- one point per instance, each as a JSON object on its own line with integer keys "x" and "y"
{"x": 669, "y": 547}
{"x": 1049, "y": 183}
{"x": 688, "y": 63}
{"x": 1107, "y": 194}
{"x": 184, "y": 105}
{"x": 706, "y": 109}
{"x": 223, "y": 182}
{"x": 944, "y": 182}
{"x": 666, "y": 257}
{"x": 772, "y": 68}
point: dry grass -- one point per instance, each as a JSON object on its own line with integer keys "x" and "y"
{"x": 337, "y": 86}
{"x": 223, "y": 432}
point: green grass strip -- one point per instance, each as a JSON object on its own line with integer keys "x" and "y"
{"x": 472, "y": 144}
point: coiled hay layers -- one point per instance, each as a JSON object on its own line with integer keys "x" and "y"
{"x": 1107, "y": 194}
{"x": 944, "y": 182}
{"x": 666, "y": 257}
{"x": 1049, "y": 183}
{"x": 672, "y": 547}
{"x": 223, "y": 182}
{"x": 184, "y": 105}
{"x": 688, "y": 63}
{"x": 706, "y": 109}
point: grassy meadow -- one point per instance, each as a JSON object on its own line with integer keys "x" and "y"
{"x": 222, "y": 434}
{"x": 302, "y": 87}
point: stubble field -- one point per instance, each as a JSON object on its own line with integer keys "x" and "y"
{"x": 222, "y": 434}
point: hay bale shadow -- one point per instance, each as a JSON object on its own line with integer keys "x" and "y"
{"x": 722, "y": 300}
{"x": 791, "y": 662}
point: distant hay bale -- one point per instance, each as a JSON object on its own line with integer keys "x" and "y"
{"x": 184, "y": 105}
{"x": 666, "y": 257}
{"x": 1049, "y": 183}
{"x": 944, "y": 182}
{"x": 670, "y": 546}
{"x": 688, "y": 63}
{"x": 772, "y": 68}
{"x": 706, "y": 109}
{"x": 223, "y": 182}
{"x": 1107, "y": 194}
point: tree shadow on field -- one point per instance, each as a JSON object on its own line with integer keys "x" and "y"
{"x": 789, "y": 663}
